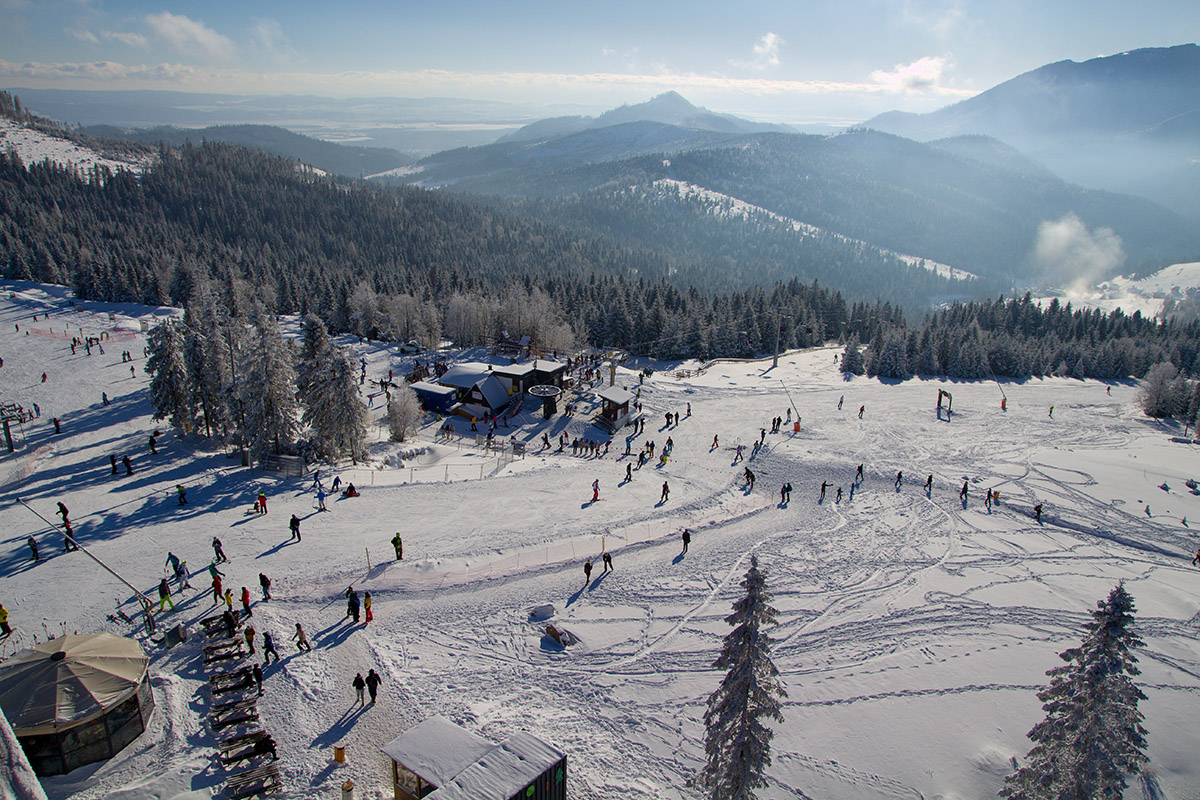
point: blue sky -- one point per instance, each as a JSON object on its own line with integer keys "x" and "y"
{"x": 802, "y": 61}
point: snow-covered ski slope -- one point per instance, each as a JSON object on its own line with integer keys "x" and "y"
{"x": 913, "y": 632}
{"x": 34, "y": 147}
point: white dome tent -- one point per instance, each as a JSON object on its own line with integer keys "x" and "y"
{"x": 76, "y": 699}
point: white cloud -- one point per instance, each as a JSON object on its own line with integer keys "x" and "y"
{"x": 102, "y": 71}
{"x": 766, "y": 53}
{"x": 940, "y": 18}
{"x": 190, "y": 36}
{"x": 922, "y": 75}
{"x": 126, "y": 38}
{"x": 83, "y": 36}
{"x": 269, "y": 39}
{"x": 1075, "y": 257}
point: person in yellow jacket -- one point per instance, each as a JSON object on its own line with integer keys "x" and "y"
{"x": 367, "y": 606}
{"x": 4, "y": 629}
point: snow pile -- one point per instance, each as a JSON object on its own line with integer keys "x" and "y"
{"x": 913, "y": 631}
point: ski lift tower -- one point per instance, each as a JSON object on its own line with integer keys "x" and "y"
{"x": 9, "y": 413}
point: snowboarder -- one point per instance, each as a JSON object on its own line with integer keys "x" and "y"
{"x": 301, "y": 638}
{"x": 269, "y": 649}
{"x": 256, "y": 671}
{"x": 246, "y": 612}
{"x": 824, "y": 486}
{"x": 294, "y": 525}
{"x": 595, "y": 490}
{"x": 359, "y": 686}
{"x": 373, "y": 681}
{"x": 182, "y": 490}
{"x": 607, "y": 562}
{"x": 587, "y": 571}
{"x": 265, "y": 583}
{"x": 220, "y": 553}
{"x": 32, "y": 542}
{"x": 128, "y": 464}
{"x": 164, "y": 595}
{"x": 398, "y": 544}
{"x": 666, "y": 492}
{"x": 367, "y": 607}
{"x": 687, "y": 539}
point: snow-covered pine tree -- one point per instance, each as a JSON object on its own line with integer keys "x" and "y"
{"x": 314, "y": 344}
{"x": 333, "y": 407}
{"x": 1092, "y": 736}
{"x": 1155, "y": 394}
{"x": 403, "y": 412}
{"x": 852, "y": 358}
{"x": 737, "y": 742}
{"x": 268, "y": 389}
{"x": 207, "y": 338}
{"x": 169, "y": 386}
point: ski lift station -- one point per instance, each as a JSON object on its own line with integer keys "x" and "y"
{"x": 76, "y": 699}
{"x": 615, "y": 407}
{"x": 442, "y": 761}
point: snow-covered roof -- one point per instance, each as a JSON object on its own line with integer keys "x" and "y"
{"x": 437, "y": 749}
{"x": 615, "y": 394}
{"x": 432, "y": 388}
{"x": 466, "y": 767}
{"x": 514, "y": 370}
{"x": 546, "y": 365}
{"x": 503, "y": 771}
{"x": 464, "y": 375}
{"x": 493, "y": 391}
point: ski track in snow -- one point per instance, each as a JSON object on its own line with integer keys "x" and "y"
{"x": 912, "y": 635}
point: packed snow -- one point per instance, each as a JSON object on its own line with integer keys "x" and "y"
{"x": 913, "y": 631}
{"x": 35, "y": 146}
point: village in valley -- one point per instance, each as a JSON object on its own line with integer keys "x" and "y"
{"x": 920, "y": 603}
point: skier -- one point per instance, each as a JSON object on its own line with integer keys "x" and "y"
{"x": 153, "y": 447}
{"x": 687, "y": 539}
{"x": 629, "y": 472}
{"x": 62, "y": 511}
{"x": 839, "y": 495}
{"x": 301, "y": 639}
{"x": 246, "y": 612}
{"x": 716, "y": 442}
{"x": 113, "y": 460}
{"x": 929, "y": 484}
{"x": 824, "y": 486}
{"x": 689, "y": 410}
{"x": 164, "y": 595}
{"x": 321, "y": 500}
{"x": 962, "y": 493}
{"x": 262, "y": 502}
{"x": 352, "y": 604}
{"x": 128, "y": 464}
{"x": 359, "y": 686}
{"x": 181, "y": 576}
{"x": 666, "y": 492}
{"x": 269, "y": 649}
{"x": 858, "y": 476}
{"x": 1051, "y": 412}
{"x": 265, "y": 583}
{"x": 337, "y": 483}
{"x": 607, "y": 562}
{"x": 1195, "y": 561}
{"x": 220, "y": 553}
{"x": 841, "y": 400}
{"x": 179, "y": 487}
{"x": 587, "y": 571}
{"x": 987, "y": 500}
{"x": 5, "y": 630}
{"x": 398, "y": 544}
{"x": 367, "y": 607}
{"x": 68, "y": 538}
{"x": 216, "y": 586}
{"x": 172, "y": 562}
{"x": 899, "y": 480}
{"x": 595, "y": 490}
{"x": 32, "y": 542}
{"x": 256, "y": 671}
{"x": 861, "y": 409}
{"x": 738, "y": 456}
{"x": 294, "y": 524}
{"x": 373, "y": 681}
{"x": 786, "y": 492}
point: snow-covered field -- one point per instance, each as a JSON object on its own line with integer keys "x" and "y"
{"x": 913, "y": 632}
{"x": 34, "y": 147}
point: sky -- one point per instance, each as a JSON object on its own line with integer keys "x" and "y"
{"x": 805, "y": 61}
